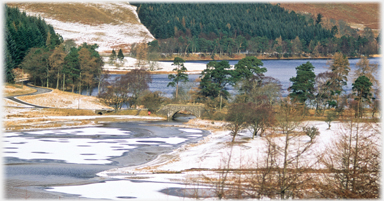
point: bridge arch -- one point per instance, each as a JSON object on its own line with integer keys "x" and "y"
{"x": 171, "y": 109}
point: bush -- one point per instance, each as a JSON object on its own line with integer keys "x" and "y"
{"x": 153, "y": 100}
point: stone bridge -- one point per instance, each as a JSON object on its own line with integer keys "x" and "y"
{"x": 171, "y": 109}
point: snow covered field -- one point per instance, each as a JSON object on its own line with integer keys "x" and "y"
{"x": 130, "y": 63}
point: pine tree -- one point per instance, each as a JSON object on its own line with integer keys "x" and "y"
{"x": 180, "y": 75}
{"x": 303, "y": 84}
{"x": 112, "y": 57}
{"x": 120, "y": 56}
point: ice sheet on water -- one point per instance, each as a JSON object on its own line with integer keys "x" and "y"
{"x": 191, "y": 130}
{"x": 122, "y": 189}
{"x": 83, "y": 131}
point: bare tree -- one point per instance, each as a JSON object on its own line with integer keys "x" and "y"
{"x": 259, "y": 117}
{"x": 115, "y": 92}
{"x": 353, "y": 162}
{"x": 136, "y": 81}
{"x": 236, "y": 118}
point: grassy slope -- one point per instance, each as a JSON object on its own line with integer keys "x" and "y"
{"x": 85, "y": 13}
{"x": 367, "y": 14}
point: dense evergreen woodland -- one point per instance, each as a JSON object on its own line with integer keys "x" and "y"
{"x": 224, "y": 28}
{"x": 33, "y": 47}
{"x": 22, "y": 33}
{"x": 164, "y": 21}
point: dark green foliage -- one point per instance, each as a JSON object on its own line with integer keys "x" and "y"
{"x": 362, "y": 88}
{"x": 22, "y": 33}
{"x": 215, "y": 78}
{"x": 112, "y": 57}
{"x": 229, "y": 28}
{"x": 72, "y": 67}
{"x": 318, "y": 19}
{"x": 165, "y": 20}
{"x": 303, "y": 84}
{"x": 180, "y": 75}
{"x": 248, "y": 67}
{"x": 120, "y": 55}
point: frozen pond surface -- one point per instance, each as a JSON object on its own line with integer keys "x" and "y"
{"x": 140, "y": 189}
{"x": 74, "y": 156}
{"x": 71, "y": 149}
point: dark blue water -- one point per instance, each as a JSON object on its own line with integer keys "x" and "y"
{"x": 282, "y": 70}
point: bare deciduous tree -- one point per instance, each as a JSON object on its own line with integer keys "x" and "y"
{"x": 353, "y": 162}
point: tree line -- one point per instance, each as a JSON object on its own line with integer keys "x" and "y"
{"x": 23, "y": 32}
{"x": 352, "y": 46}
{"x": 254, "y": 28}
{"x": 65, "y": 67}
{"x": 33, "y": 46}
{"x": 166, "y": 20}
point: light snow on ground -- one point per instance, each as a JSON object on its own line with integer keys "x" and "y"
{"x": 140, "y": 182}
{"x": 66, "y": 100}
{"x": 131, "y": 63}
{"x": 8, "y": 102}
{"x": 215, "y": 149}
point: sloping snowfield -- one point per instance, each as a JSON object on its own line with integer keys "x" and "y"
{"x": 106, "y": 36}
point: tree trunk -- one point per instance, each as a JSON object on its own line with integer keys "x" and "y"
{"x": 98, "y": 87}
{"x": 235, "y": 133}
{"x": 80, "y": 84}
{"x": 282, "y": 187}
{"x": 63, "y": 82}
{"x": 58, "y": 78}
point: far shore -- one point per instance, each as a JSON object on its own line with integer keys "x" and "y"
{"x": 198, "y": 67}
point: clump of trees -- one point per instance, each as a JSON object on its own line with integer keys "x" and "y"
{"x": 116, "y": 59}
{"x": 80, "y": 67}
{"x": 22, "y": 33}
{"x": 349, "y": 167}
{"x": 125, "y": 89}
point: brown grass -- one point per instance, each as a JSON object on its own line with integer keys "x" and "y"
{"x": 61, "y": 99}
{"x": 85, "y": 13}
{"x": 367, "y": 14}
{"x": 16, "y": 89}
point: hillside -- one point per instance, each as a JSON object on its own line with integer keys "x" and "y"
{"x": 110, "y": 25}
{"x": 116, "y": 25}
{"x": 357, "y": 15}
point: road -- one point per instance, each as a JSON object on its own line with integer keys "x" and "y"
{"x": 39, "y": 91}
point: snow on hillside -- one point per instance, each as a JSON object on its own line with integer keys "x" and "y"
{"x": 131, "y": 63}
{"x": 107, "y": 36}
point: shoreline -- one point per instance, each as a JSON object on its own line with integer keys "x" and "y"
{"x": 263, "y": 58}
{"x": 196, "y": 66}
